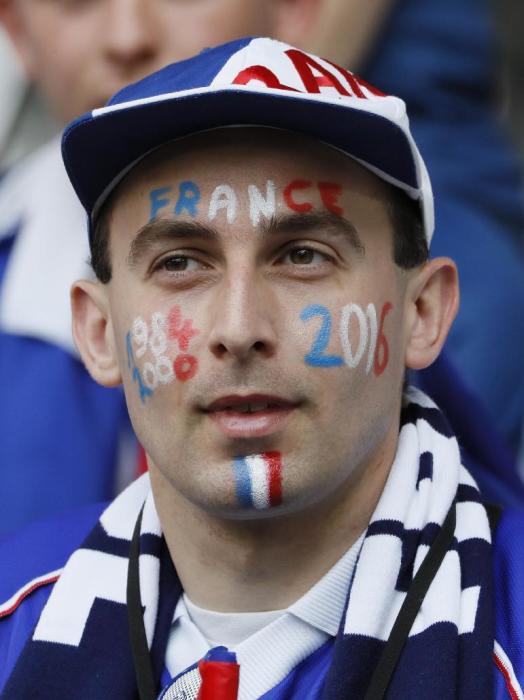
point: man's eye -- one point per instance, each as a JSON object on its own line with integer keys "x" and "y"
{"x": 305, "y": 256}
{"x": 179, "y": 263}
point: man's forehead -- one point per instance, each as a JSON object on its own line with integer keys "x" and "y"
{"x": 247, "y": 154}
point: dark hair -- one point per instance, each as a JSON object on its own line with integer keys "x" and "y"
{"x": 410, "y": 247}
{"x": 100, "y": 245}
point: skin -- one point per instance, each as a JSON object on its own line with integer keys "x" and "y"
{"x": 80, "y": 52}
{"x": 244, "y": 292}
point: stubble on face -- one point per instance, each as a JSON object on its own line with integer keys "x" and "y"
{"x": 264, "y": 305}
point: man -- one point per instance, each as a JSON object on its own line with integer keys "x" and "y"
{"x": 263, "y": 284}
{"x": 79, "y": 53}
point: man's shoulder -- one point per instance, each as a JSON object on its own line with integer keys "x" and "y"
{"x": 508, "y": 554}
{"x": 34, "y": 556}
{"x": 507, "y": 540}
{"x": 31, "y": 562}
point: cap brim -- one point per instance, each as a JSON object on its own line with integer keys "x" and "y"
{"x": 107, "y": 142}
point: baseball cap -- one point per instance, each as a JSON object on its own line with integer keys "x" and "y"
{"x": 251, "y": 81}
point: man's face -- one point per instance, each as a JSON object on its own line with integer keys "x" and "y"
{"x": 83, "y": 51}
{"x": 257, "y": 316}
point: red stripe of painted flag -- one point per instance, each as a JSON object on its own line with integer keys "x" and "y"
{"x": 274, "y": 464}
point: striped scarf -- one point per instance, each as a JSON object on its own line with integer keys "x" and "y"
{"x": 80, "y": 646}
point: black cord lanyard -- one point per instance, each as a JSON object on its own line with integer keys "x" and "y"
{"x": 145, "y": 679}
{"x": 406, "y": 617}
{"x": 388, "y": 661}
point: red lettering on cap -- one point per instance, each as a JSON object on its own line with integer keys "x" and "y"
{"x": 372, "y": 89}
{"x": 288, "y": 196}
{"x": 304, "y": 65}
{"x": 352, "y": 80}
{"x": 329, "y": 192}
{"x": 263, "y": 75}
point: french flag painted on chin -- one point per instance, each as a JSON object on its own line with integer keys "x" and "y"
{"x": 259, "y": 480}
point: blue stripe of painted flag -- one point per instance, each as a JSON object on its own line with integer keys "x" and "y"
{"x": 243, "y": 479}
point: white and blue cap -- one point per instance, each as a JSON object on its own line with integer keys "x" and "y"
{"x": 259, "y": 82}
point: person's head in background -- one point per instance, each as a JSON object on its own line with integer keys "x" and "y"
{"x": 80, "y": 52}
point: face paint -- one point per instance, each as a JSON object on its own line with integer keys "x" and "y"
{"x": 154, "y": 339}
{"x": 382, "y": 346}
{"x": 158, "y": 200}
{"x": 180, "y": 330}
{"x": 316, "y": 357}
{"x": 223, "y": 197}
{"x": 301, "y": 207}
{"x": 144, "y": 391}
{"x": 329, "y": 193}
{"x": 259, "y": 480}
{"x": 188, "y": 198}
{"x": 370, "y": 336}
{"x": 260, "y": 205}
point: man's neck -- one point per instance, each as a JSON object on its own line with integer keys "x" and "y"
{"x": 237, "y": 565}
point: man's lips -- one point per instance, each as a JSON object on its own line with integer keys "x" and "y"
{"x": 253, "y": 415}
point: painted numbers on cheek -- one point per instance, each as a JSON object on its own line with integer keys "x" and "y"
{"x": 259, "y": 480}
{"x": 316, "y": 356}
{"x": 144, "y": 391}
{"x": 153, "y": 339}
{"x": 182, "y": 331}
{"x": 381, "y": 363}
{"x": 370, "y": 335}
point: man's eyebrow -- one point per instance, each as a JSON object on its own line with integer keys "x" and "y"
{"x": 303, "y": 222}
{"x": 164, "y": 230}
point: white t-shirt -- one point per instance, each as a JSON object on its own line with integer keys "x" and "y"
{"x": 267, "y": 644}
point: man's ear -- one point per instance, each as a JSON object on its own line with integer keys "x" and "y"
{"x": 294, "y": 20}
{"x": 93, "y": 332}
{"x": 432, "y": 297}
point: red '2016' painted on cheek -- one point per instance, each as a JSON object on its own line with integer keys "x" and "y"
{"x": 381, "y": 363}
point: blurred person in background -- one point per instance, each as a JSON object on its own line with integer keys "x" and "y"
{"x": 24, "y": 121}
{"x": 80, "y": 448}
{"x": 81, "y": 52}
{"x": 440, "y": 57}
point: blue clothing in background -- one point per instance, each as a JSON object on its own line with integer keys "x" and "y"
{"x": 438, "y": 56}
{"x": 60, "y": 431}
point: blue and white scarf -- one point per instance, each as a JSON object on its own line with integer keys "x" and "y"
{"x": 80, "y": 646}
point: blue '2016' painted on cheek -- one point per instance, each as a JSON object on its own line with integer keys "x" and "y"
{"x": 316, "y": 356}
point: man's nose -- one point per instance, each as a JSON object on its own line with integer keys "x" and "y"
{"x": 132, "y": 34}
{"x": 242, "y": 317}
